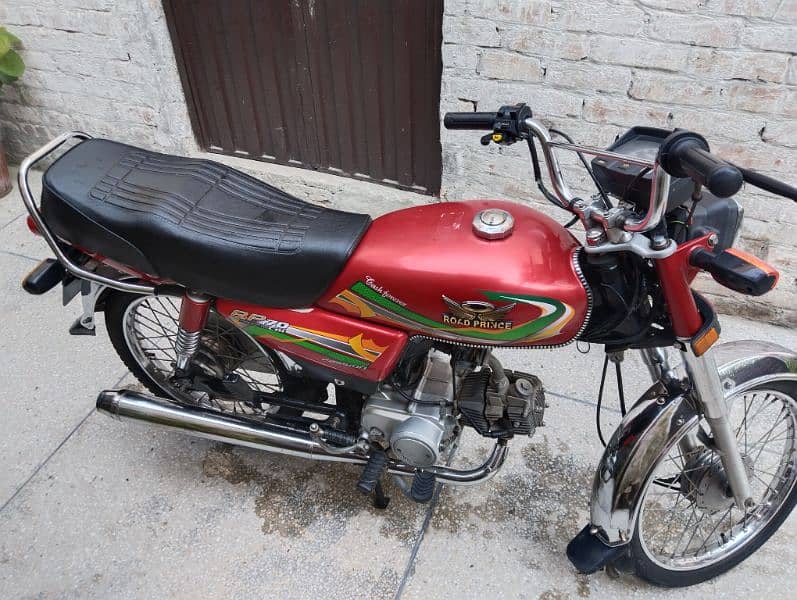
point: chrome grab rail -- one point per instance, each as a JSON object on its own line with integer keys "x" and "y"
{"x": 659, "y": 192}
{"x": 49, "y": 237}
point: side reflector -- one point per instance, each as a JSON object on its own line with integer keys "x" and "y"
{"x": 705, "y": 341}
{"x": 32, "y": 225}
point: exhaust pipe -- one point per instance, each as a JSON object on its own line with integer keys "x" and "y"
{"x": 126, "y": 405}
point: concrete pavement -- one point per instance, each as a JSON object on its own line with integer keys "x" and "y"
{"x": 90, "y": 507}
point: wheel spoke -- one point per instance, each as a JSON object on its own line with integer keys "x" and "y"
{"x": 697, "y": 527}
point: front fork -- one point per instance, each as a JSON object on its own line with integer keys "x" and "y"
{"x": 707, "y": 389}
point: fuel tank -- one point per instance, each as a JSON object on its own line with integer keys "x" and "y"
{"x": 425, "y": 270}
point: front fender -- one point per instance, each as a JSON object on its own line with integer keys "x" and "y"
{"x": 656, "y": 422}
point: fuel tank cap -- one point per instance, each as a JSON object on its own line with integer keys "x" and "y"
{"x": 493, "y": 224}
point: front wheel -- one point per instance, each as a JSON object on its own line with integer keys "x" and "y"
{"x": 689, "y": 529}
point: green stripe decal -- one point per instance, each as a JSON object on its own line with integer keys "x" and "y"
{"x": 256, "y": 331}
{"x": 517, "y": 333}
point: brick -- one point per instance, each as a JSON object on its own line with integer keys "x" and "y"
{"x": 771, "y": 37}
{"x": 716, "y": 32}
{"x": 497, "y": 64}
{"x": 718, "y": 124}
{"x": 470, "y": 31}
{"x": 690, "y": 6}
{"x": 758, "y": 156}
{"x": 542, "y": 42}
{"x": 660, "y": 88}
{"x": 782, "y": 133}
{"x": 787, "y": 12}
{"x": 748, "y": 8}
{"x": 587, "y": 77}
{"x": 735, "y": 64}
{"x": 754, "y": 97}
{"x": 460, "y": 57}
{"x": 625, "y": 113}
{"x": 529, "y": 12}
{"x": 638, "y": 53}
{"x": 604, "y": 17}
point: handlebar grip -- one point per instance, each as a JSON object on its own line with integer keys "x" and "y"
{"x": 720, "y": 178}
{"x": 686, "y": 154}
{"x": 469, "y": 120}
{"x": 768, "y": 184}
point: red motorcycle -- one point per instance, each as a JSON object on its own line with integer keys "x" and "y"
{"x": 258, "y": 319}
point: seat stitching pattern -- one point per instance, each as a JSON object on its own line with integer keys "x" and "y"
{"x": 268, "y": 236}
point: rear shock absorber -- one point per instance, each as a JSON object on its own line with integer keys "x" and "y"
{"x": 193, "y": 317}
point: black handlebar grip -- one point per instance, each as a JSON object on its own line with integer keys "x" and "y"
{"x": 469, "y": 120}
{"x": 686, "y": 154}
{"x": 768, "y": 183}
{"x": 720, "y": 178}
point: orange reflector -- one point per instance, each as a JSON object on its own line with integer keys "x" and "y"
{"x": 756, "y": 262}
{"x": 701, "y": 344}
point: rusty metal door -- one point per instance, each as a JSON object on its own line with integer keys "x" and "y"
{"x": 350, "y": 87}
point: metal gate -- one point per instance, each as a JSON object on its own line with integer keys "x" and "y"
{"x": 350, "y": 87}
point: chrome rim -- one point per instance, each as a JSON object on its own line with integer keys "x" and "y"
{"x": 687, "y": 521}
{"x": 150, "y": 328}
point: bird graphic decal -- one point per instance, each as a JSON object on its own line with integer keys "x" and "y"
{"x": 478, "y": 309}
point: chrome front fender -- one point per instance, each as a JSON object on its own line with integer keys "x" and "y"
{"x": 656, "y": 422}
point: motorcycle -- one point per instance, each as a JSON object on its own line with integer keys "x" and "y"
{"x": 257, "y": 319}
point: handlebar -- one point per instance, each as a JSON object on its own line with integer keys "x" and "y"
{"x": 469, "y": 120}
{"x": 768, "y": 183}
{"x": 682, "y": 154}
{"x": 686, "y": 154}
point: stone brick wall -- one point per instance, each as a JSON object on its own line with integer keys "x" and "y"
{"x": 726, "y": 68}
{"x": 593, "y": 68}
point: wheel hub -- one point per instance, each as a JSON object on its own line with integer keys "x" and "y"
{"x": 704, "y": 483}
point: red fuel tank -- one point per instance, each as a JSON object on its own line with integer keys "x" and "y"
{"x": 426, "y": 271}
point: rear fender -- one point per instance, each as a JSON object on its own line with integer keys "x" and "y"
{"x": 656, "y": 422}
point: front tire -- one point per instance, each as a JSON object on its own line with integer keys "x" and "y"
{"x": 688, "y": 529}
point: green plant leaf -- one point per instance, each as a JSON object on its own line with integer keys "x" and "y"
{"x": 5, "y": 44}
{"x": 11, "y": 65}
{"x": 15, "y": 41}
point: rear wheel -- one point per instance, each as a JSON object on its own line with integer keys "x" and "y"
{"x": 689, "y": 528}
{"x": 228, "y": 368}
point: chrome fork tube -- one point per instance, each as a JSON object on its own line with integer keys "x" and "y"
{"x": 702, "y": 371}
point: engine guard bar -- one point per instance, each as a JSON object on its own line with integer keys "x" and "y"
{"x": 47, "y": 234}
{"x": 655, "y": 424}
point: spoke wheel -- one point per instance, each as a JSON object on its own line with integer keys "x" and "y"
{"x": 689, "y": 528}
{"x": 146, "y": 328}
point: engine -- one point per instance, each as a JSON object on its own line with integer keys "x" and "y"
{"x": 417, "y": 425}
{"x": 419, "y": 422}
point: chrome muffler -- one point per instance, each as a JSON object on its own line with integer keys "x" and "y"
{"x": 127, "y": 405}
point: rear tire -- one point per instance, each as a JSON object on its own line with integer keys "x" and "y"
{"x": 143, "y": 329}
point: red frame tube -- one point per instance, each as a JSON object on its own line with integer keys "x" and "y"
{"x": 676, "y": 276}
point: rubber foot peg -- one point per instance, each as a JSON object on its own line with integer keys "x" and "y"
{"x": 372, "y": 472}
{"x": 422, "y": 489}
{"x": 381, "y": 501}
{"x": 78, "y": 328}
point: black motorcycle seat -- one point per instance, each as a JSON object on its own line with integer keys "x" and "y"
{"x": 198, "y": 223}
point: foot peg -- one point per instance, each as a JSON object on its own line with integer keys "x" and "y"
{"x": 423, "y": 484}
{"x": 370, "y": 479}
